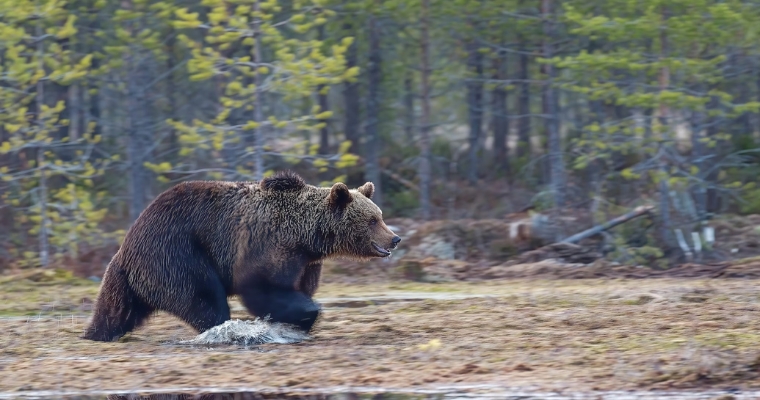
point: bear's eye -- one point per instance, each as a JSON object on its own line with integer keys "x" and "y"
{"x": 373, "y": 221}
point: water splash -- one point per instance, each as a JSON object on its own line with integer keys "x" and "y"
{"x": 249, "y": 333}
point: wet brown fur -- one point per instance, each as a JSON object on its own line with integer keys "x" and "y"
{"x": 202, "y": 241}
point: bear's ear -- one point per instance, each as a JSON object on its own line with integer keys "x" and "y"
{"x": 367, "y": 189}
{"x": 339, "y": 195}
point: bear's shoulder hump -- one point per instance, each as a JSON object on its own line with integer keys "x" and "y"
{"x": 283, "y": 181}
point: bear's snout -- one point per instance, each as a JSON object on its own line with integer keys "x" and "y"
{"x": 395, "y": 241}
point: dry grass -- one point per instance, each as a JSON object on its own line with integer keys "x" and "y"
{"x": 549, "y": 334}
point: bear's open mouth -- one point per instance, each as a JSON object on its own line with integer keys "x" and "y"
{"x": 383, "y": 252}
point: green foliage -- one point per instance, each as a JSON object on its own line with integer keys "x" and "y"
{"x": 664, "y": 61}
{"x": 750, "y": 203}
{"x": 634, "y": 243}
{"x": 402, "y": 203}
{"x": 295, "y": 67}
{"x": 32, "y": 128}
{"x": 183, "y": 76}
{"x": 542, "y": 201}
{"x": 648, "y": 255}
{"x": 441, "y": 148}
{"x": 79, "y": 219}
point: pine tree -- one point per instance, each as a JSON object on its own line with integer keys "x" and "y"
{"x": 50, "y": 175}
{"x": 259, "y": 52}
{"x": 663, "y": 61}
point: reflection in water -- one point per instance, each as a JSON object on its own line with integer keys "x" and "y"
{"x": 366, "y": 393}
{"x": 260, "y": 396}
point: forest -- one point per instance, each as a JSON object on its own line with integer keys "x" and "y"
{"x": 574, "y": 184}
{"x": 455, "y": 109}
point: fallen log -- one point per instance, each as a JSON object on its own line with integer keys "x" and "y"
{"x": 637, "y": 212}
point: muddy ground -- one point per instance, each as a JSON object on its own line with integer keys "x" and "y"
{"x": 579, "y": 335}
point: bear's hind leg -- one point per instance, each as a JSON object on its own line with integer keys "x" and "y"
{"x": 118, "y": 310}
{"x": 282, "y": 305}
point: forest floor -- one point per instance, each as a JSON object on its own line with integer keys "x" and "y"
{"x": 579, "y": 336}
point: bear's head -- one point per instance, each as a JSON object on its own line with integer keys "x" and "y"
{"x": 347, "y": 222}
{"x": 357, "y": 223}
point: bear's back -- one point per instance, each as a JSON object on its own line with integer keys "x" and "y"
{"x": 195, "y": 216}
{"x": 193, "y": 204}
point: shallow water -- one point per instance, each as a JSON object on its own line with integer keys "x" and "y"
{"x": 374, "y": 393}
{"x": 328, "y": 303}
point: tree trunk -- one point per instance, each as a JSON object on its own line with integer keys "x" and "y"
{"x": 664, "y": 78}
{"x": 351, "y": 95}
{"x": 54, "y": 93}
{"x": 635, "y": 213}
{"x": 499, "y": 115}
{"x": 474, "y": 107}
{"x": 75, "y": 112}
{"x": 745, "y": 119}
{"x": 523, "y": 126}
{"x": 139, "y": 133}
{"x": 546, "y": 164}
{"x": 43, "y": 197}
{"x": 42, "y": 185}
{"x": 424, "y": 162}
{"x": 712, "y": 196}
{"x": 173, "y": 145}
{"x": 374, "y": 101}
{"x": 136, "y": 147}
{"x": 556, "y": 159}
{"x": 94, "y": 104}
{"x": 664, "y": 119}
{"x": 523, "y": 108}
{"x": 409, "y": 107}
{"x": 664, "y": 208}
{"x": 648, "y": 116}
{"x": 324, "y": 131}
{"x": 258, "y": 113}
{"x": 697, "y": 152}
{"x": 757, "y": 91}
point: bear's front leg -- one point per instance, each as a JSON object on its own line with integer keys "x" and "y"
{"x": 283, "y": 305}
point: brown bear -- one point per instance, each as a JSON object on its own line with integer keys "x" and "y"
{"x": 202, "y": 241}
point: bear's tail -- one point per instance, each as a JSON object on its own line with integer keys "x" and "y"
{"x": 118, "y": 310}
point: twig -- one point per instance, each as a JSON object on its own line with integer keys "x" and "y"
{"x": 400, "y": 179}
